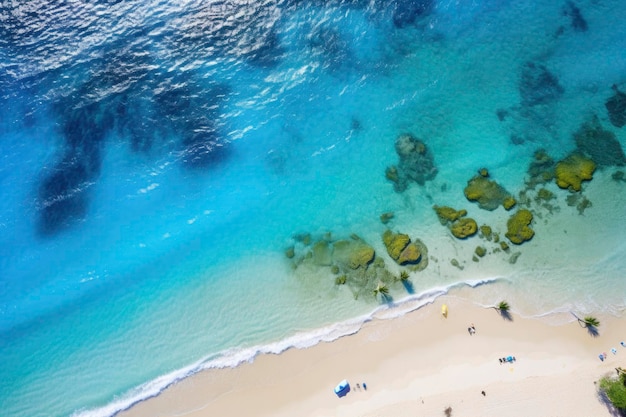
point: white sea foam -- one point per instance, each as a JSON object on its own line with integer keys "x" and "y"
{"x": 302, "y": 340}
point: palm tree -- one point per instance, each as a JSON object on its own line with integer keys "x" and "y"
{"x": 404, "y": 276}
{"x": 590, "y": 321}
{"x": 503, "y": 308}
{"x": 382, "y": 290}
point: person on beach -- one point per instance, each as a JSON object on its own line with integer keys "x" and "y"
{"x": 365, "y": 386}
{"x": 358, "y": 386}
{"x": 483, "y": 393}
{"x": 473, "y": 328}
{"x": 469, "y": 330}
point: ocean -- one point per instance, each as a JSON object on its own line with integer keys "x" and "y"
{"x": 181, "y": 180}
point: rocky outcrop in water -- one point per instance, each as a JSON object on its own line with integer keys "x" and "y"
{"x": 405, "y": 251}
{"x": 573, "y": 170}
{"x": 518, "y": 227}
{"x": 416, "y": 163}
{"x": 487, "y": 193}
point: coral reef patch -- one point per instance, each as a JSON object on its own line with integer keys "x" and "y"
{"x": 573, "y": 170}
{"x": 487, "y": 193}
{"x": 416, "y": 163}
{"x": 518, "y": 227}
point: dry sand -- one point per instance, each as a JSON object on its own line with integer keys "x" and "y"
{"x": 416, "y": 365}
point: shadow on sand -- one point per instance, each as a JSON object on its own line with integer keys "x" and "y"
{"x": 506, "y": 315}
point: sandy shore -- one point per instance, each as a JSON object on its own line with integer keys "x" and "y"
{"x": 416, "y": 365}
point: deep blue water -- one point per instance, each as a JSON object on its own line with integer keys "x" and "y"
{"x": 159, "y": 157}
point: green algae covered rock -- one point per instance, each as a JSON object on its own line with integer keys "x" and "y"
{"x": 386, "y": 217}
{"x": 290, "y": 252}
{"x": 464, "y": 228}
{"x": 487, "y": 193}
{"x": 410, "y": 255}
{"x": 518, "y": 227}
{"x": 509, "y": 202}
{"x": 448, "y": 214}
{"x": 573, "y": 170}
{"x": 395, "y": 243}
{"x": 480, "y": 251}
{"x": 361, "y": 256}
{"x": 486, "y": 231}
{"x": 353, "y": 254}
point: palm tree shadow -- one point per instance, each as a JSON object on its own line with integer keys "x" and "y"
{"x": 408, "y": 286}
{"x": 593, "y": 331}
{"x": 386, "y": 298}
{"x": 506, "y": 315}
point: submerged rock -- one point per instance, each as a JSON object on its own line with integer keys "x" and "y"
{"x": 541, "y": 169}
{"x": 416, "y": 163}
{"x": 322, "y": 253}
{"x": 487, "y": 193}
{"x": 573, "y": 170}
{"x": 577, "y": 21}
{"x": 538, "y": 85}
{"x": 448, "y": 214}
{"x": 518, "y": 227}
{"x": 599, "y": 144}
{"x": 386, "y": 217}
{"x": 411, "y": 254}
{"x": 616, "y": 106}
{"x": 353, "y": 254}
{"x": 395, "y": 243}
{"x": 404, "y": 251}
{"x": 464, "y": 228}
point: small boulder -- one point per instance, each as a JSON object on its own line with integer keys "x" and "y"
{"x": 448, "y": 214}
{"x": 486, "y": 231}
{"x": 464, "y": 228}
{"x": 386, "y": 217}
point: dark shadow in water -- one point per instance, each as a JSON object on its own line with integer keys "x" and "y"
{"x": 538, "y": 85}
{"x": 62, "y": 195}
{"x": 408, "y": 286}
{"x": 409, "y": 12}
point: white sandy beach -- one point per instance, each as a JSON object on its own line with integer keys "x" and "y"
{"x": 416, "y": 365}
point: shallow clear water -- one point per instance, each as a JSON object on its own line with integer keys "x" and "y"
{"x": 159, "y": 159}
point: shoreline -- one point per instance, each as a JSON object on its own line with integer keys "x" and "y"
{"x": 415, "y": 364}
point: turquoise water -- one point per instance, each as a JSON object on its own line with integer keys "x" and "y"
{"x": 159, "y": 159}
